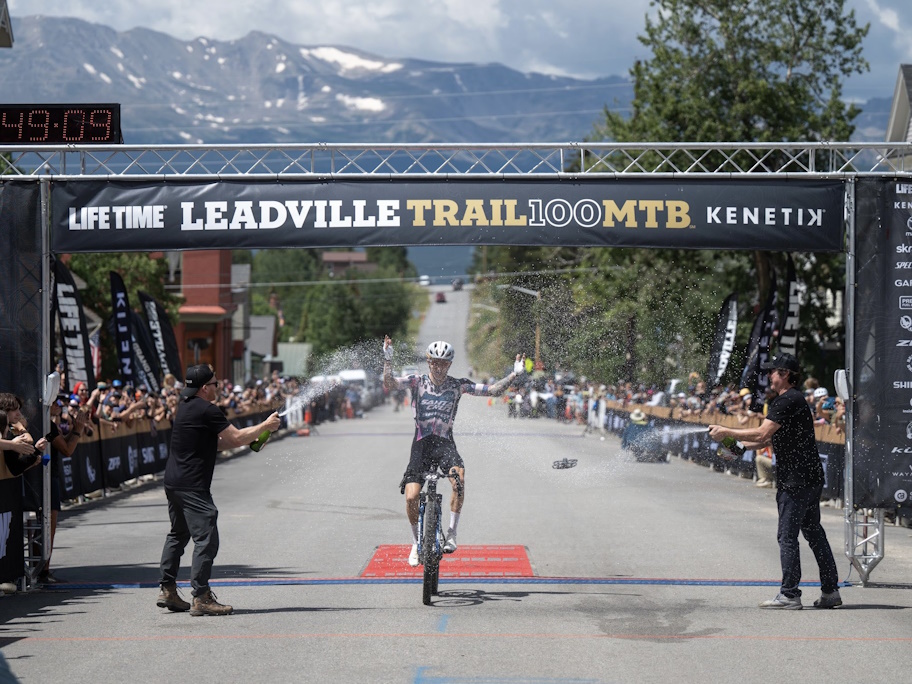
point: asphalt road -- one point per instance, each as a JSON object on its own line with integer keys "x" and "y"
{"x": 642, "y": 572}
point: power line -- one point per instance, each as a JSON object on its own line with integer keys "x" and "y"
{"x": 360, "y": 281}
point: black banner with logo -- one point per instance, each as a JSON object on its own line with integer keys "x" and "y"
{"x": 723, "y": 340}
{"x": 74, "y": 333}
{"x": 162, "y": 335}
{"x": 121, "y": 327}
{"x": 788, "y": 334}
{"x": 120, "y": 216}
{"x": 145, "y": 370}
{"x": 758, "y": 347}
{"x": 882, "y": 364}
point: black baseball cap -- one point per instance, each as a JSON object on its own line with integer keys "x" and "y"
{"x": 197, "y": 376}
{"x": 786, "y": 361}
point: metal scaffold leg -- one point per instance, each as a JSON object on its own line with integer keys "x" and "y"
{"x": 865, "y": 540}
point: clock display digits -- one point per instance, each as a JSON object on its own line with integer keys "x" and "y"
{"x": 40, "y": 119}
{"x": 60, "y": 124}
{"x": 6, "y": 121}
{"x": 100, "y": 120}
{"x": 73, "y": 125}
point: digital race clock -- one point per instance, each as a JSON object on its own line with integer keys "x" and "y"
{"x": 60, "y": 124}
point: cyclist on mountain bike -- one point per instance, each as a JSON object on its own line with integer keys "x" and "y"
{"x": 435, "y": 399}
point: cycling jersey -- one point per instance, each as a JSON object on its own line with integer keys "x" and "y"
{"x": 434, "y": 407}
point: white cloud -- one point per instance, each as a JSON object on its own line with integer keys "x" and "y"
{"x": 584, "y": 38}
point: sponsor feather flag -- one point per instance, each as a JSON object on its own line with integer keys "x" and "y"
{"x": 724, "y": 340}
{"x": 758, "y": 348}
{"x": 788, "y": 336}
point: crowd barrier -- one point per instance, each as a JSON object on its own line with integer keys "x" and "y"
{"x": 671, "y": 438}
{"x": 113, "y": 455}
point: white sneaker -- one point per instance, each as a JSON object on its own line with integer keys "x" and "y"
{"x": 783, "y": 602}
{"x": 413, "y": 556}
{"x": 450, "y": 545}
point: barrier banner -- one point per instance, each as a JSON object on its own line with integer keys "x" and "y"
{"x": 699, "y": 447}
{"x": 765, "y": 214}
{"x": 882, "y": 363}
{"x": 89, "y": 465}
{"x": 12, "y": 555}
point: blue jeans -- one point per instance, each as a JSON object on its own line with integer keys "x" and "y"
{"x": 799, "y": 510}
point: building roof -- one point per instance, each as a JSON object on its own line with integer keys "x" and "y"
{"x": 899, "y": 128}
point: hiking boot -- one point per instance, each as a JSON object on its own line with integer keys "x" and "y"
{"x": 831, "y": 600}
{"x": 783, "y": 602}
{"x": 450, "y": 545}
{"x": 413, "y": 556}
{"x": 169, "y": 598}
{"x": 48, "y": 577}
{"x": 205, "y": 604}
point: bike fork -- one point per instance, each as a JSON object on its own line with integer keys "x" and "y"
{"x": 422, "y": 502}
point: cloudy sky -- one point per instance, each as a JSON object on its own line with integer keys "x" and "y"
{"x": 582, "y": 38}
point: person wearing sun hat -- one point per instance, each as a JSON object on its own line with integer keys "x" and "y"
{"x": 198, "y": 432}
{"x": 789, "y": 428}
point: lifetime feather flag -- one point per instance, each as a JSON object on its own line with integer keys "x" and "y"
{"x": 758, "y": 348}
{"x": 67, "y": 304}
{"x": 723, "y": 340}
{"x": 162, "y": 335}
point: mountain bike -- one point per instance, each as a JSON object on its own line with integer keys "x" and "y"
{"x": 431, "y": 537}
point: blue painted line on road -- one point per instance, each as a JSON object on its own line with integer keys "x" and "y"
{"x": 442, "y": 623}
{"x": 299, "y": 581}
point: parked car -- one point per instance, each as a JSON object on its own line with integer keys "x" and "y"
{"x": 441, "y": 298}
{"x": 457, "y": 284}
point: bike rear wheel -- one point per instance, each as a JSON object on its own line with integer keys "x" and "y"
{"x": 429, "y": 547}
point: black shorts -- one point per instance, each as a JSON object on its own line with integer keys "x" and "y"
{"x": 427, "y": 454}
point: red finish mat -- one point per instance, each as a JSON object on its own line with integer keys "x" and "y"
{"x": 391, "y": 560}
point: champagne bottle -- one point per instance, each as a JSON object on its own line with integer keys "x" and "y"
{"x": 261, "y": 440}
{"x": 730, "y": 449}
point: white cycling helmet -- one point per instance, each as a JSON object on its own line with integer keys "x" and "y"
{"x": 440, "y": 350}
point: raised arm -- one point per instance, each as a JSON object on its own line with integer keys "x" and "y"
{"x": 389, "y": 382}
{"x": 519, "y": 367}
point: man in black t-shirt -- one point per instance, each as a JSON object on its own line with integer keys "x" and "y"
{"x": 789, "y": 428}
{"x": 199, "y": 431}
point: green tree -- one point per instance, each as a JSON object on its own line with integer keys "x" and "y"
{"x": 139, "y": 272}
{"x": 719, "y": 71}
{"x": 743, "y": 70}
{"x": 750, "y": 71}
{"x": 276, "y": 276}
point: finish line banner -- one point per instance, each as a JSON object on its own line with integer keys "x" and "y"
{"x": 104, "y": 216}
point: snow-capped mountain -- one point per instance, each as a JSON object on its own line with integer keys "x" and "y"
{"x": 263, "y": 89}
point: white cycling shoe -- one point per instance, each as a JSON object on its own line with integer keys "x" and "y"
{"x": 413, "y": 556}
{"x": 450, "y": 545}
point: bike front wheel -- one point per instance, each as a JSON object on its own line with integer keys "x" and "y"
{"x": 431, "y": 559}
